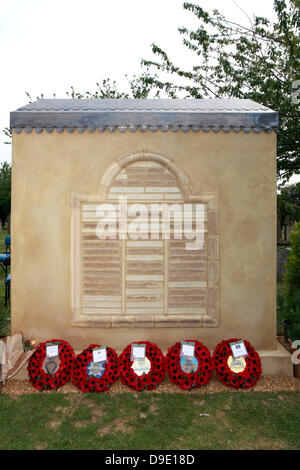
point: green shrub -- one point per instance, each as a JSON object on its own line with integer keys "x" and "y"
{"x": 292, "y": 267}
{"x": 290, "y": 302}
{"x": 294, "y": 331}
{"x": 291, "y": 310}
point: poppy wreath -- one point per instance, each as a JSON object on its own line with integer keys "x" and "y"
{"x": 195, "y": 378}
{"x": 42, "y": 380}
{"x": 148, "y": 381}
{"x": 250, "y": 367}
{"x": 88, "y": 382}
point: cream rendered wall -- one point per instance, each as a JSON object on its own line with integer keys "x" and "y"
{"x": 239, "y": 168}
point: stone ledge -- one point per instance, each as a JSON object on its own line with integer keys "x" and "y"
{"x": 150, "y": 321}
{"x": 277, "y": 362}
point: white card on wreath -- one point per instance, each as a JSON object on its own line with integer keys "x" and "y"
{"x": 187, "y": 349}
{"x": 138, "y": 351}
{"x": 238, "y": 349}
{"x": 52, "y": 350}
{"x": 99, "y": 354}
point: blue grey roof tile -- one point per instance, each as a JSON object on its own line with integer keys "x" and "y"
{"x": 153, "y": 114}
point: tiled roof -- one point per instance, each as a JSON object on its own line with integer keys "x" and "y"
{"x": 154, "y": 114}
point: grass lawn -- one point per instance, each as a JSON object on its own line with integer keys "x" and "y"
{"x": 150, "y": 421}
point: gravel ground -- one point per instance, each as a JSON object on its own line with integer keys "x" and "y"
{"x": 265, "y": 384}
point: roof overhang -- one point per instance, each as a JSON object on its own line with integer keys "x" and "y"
{"x": 134, "y": 114}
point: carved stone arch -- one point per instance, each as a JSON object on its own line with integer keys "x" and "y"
{"x": 118, "y": 165}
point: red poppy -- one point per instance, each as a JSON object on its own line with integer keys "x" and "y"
{"x": 244, "y": 372}
{"x": 42, "y": 380}
{"x": 196, "y": 374}
{"x": 88, "y": 376}
{"x": 145, "y": 381}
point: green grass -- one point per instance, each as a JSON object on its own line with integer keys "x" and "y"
{"x": 4, "y": 311}
{"x": 260, "y": 420}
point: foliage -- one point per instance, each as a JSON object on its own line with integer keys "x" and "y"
{"x": 107, "y": 89}
{"x": 260, "y": 62}
{"x": 289, "y": 298}
{"x": 294, "y": 329}
{"x": 4, "y": 310}
{"x": 7, "y": 132}
{"x": 5, "y": 190}
{"x": 292, "y": 271}
{"x": 292, "y": 193}
{"x": 281, "y": 314}
{"x": 288, "y": 203}
{"x": 289, "y": 308}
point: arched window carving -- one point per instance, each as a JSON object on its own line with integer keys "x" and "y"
{"x": 144, "y": 280}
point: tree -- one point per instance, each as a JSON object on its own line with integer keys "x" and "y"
{"x": 260, "y": 61}
{"x": 290, "y": 302}
{"x": 292, "y": 272}
{"x": 288, "y": 204}
{"x": 108, "y": 89}
{"x": 5, "y": 189}
{"x": 292, "y": 194}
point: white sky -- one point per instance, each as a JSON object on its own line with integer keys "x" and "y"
{"x": 50, "y": 45}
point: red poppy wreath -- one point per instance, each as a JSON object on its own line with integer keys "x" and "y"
{"x": 241, "y": 372}
{"x": 91, "y": 376}
{"x": 189, "y": 372}
{"x": 49, "y": 371}
{"x": 144, "y": 374}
